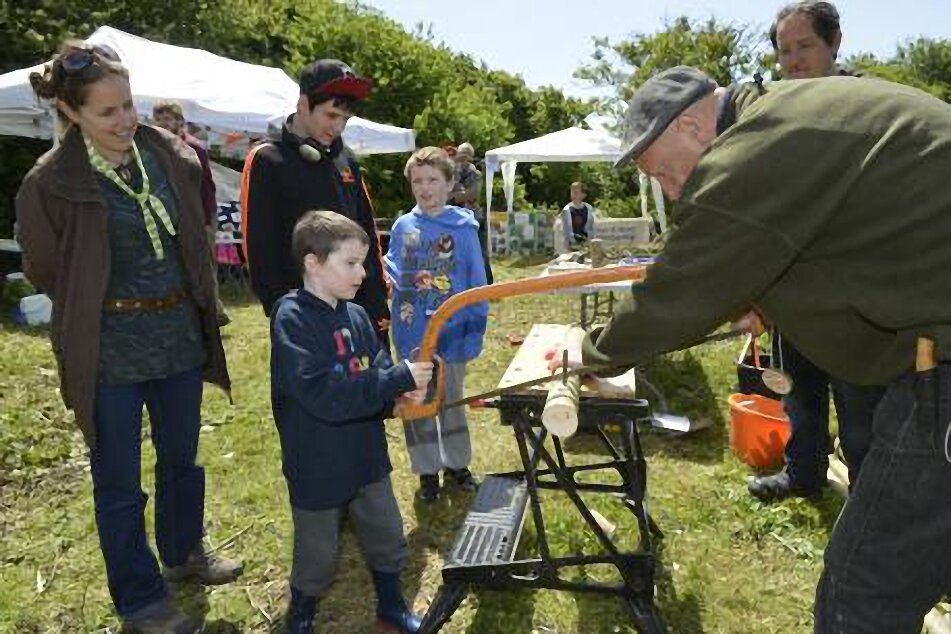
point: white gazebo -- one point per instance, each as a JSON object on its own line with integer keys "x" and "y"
{"x": 564, "y": 146}
{"x": 231, "y": 100}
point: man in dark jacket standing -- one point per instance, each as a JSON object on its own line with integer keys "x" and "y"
{"x": 806, "y": 38}
{"x": 465, "y": 193}
{"x": 309, "y": 168}
{"x": 791, "y": 210}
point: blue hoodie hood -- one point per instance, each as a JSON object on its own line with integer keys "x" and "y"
{"x": 451, "y": 218}
{"x": 431, "y": 258}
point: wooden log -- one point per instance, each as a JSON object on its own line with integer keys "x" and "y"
{"x": 560, "y": 415}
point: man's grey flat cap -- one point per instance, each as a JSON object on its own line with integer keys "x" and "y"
{"x": 656, "y": 103}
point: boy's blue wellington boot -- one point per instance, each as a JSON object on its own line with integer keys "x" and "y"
{"x": 392, "y": 615}
{"x": 300, "y": 613}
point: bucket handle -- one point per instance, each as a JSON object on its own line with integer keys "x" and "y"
{"x": 750, "y": 346}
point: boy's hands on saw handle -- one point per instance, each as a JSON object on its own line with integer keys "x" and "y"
{"x": 422, "y": 372}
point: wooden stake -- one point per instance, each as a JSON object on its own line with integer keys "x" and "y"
{"x": 606, "y": 525}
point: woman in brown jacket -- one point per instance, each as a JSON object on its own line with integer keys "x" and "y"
{"x": 112, "y": 229}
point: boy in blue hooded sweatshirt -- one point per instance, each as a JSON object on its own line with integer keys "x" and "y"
{"x": 331, "y": 386}
{"x": 434, "y": 253}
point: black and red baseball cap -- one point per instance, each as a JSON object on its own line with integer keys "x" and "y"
{"x": 333, "y": 78}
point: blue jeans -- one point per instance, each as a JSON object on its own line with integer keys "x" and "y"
{"x": 807, "y": 406}
{"x": 887, "y": 562}
{"x": 174, "y": 405}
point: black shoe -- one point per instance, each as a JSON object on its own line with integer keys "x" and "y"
{"x": 428, "y": 487}
{"x": 463, "y": 479}
{"x": 779, "y": 486}
{"x": 392, "y": 615}
{"x": 300, "y": 613}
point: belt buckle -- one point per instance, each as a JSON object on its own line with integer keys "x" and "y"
{"x": 924, "y": 356}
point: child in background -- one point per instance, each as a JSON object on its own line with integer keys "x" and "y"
{"x": 331, "y": 386}
{"x": 577, "y": 218}
{"x": 434, "y": 253}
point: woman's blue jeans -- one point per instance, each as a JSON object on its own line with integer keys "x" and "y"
{"x": 174, "y": 405}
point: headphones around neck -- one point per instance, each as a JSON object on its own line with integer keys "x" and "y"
{"x": 311, "y": 152}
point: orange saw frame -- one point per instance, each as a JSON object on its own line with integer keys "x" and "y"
{"x": 412, "y": 411}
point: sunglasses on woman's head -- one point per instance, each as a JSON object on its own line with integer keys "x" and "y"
{"x": 77, "y": 59}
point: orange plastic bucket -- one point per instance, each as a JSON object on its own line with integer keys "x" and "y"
{"x": 759, "y": 430}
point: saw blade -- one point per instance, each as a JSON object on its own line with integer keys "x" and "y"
{"x": 588, "y": 369}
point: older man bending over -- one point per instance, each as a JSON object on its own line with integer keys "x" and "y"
{"x": 827, "y": 206}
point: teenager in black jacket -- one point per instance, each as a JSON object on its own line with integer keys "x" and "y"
{"x": 309, "y": 168}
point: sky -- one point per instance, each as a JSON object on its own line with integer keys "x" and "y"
{"x": 544, "y": 41}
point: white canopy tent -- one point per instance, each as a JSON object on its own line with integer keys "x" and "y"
{"x": 564, "y": 146}
{"x": 231, "y": 100}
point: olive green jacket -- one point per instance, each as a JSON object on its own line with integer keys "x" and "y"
{"x": 828, "y": 206}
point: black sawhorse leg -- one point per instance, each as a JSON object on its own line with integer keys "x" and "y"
{"x": 446, "y": 602}
{"x": 645, "y": 616}
{"x": 484, "y": 556}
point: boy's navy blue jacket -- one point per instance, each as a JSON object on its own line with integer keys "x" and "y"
{"x": 331, "y": 386}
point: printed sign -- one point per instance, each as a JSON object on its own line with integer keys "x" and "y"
{"x": 623, "y": 231}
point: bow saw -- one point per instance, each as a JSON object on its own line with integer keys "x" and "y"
{"x": 502, "y": 290}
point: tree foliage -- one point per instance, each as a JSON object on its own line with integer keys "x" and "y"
{"x": 924, "y": 63}
{"x": 726, "y": 52}
{"x": 445, "y": 96}
{"x": 930, "y": 61}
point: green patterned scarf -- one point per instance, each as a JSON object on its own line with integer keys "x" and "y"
{"x": 147, "y": 201}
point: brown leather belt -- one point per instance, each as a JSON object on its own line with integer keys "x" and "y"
{"x": 144, "y": 304}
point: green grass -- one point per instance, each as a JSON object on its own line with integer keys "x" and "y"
{"x": 727, "y": 563}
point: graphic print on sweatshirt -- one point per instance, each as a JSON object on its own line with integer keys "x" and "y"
{"x": 349, "y": 363}
{"x": 428, "y": 268}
